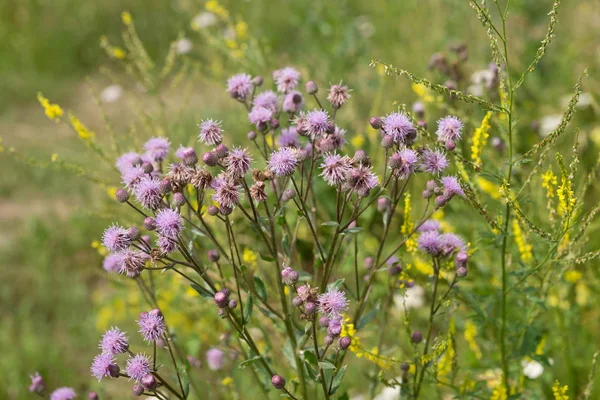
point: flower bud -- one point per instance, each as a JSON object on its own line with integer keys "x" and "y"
{"x": 224, "y": 210}
{"x": 461, "y": 258}
{"x": 369, "y": 262}
{"x": 190, "y": 158}
{"x": 122, "y": 195}
{"x": 310, "y": 307}
{"x": 37, "y": 384}
{"x": 165, "y": 186}
{"x": 149, "y": 382}
{"x": 328, "y": 340}
{"x": 395, "y": 270}
{"x": 461, "y": 272}
{"x": 311, "y": 87}
{"x": 324, "y": 322}
{"x": 114, "y": 370}
{"x": 150, "y": 223}
{"x": 232, "y": 303}
{"x": 133, "y": 233}
{"x": 210, "y": 159}
{"x": 278, "y": 382}
{"x": 179, "y": 199}
{"x": 213, "y": 210}
{"x": 251, "y": 135}
{"x": 376, "y": 122}
{"x": 138, "y": 390}
{"x": 422, "y": 123}
{"x": 344, "y": 342}
{"x": 221, "y": 150}
{"x": 213, "y": 255}
{"x": 147, "y": 167}
{"x": 387, "y": 141}
{"x": 222, "y": 313}
{"x": 416, "y": 337}
{"x": 226, "y": 291}
{"x": 450, "y": 145}
{"x": 93, "y": 396}
{"x": 383, "y": 204}
{"x": 274, "y": 122}
{"x": 137, "y": 161}
{"x": 221, "y": 300}
{"x": 297, "y": 301}
{"x": 427, "y": 194}
{"x": 288, "y": 194}
{"x": 419, "y": 109}
{"x": 257, "y": 80}
{"x": 498, "y": 144}
{"x": 360, "y": 157}
{"x": 405, "y": 366}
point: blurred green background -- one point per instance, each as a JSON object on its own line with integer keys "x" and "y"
{"x": 49, "y": 217}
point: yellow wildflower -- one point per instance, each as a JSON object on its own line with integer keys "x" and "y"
{"x": 499, "y": 393}
{"x": 423, "y": 267}
{"x": 470, "y": 334}
{"x": 249, "y": 258}
{"x": 53, "y": 111}
{"x": 119, "y": 53}
{"x": 480, "y": 137}
{"x": 582, "y": 294}
{"x": 549, "y": 181}
{"x": 560, "y": 393}
{"x": 357, "y": 141}
{"x": 112, "y": 192}
{"x": 524, "y": 247}
{"x": 423, "y": 93}
{"x": 488, "y": 187}
{"x": 217, "y": 9}
{"x": 83, "y": 132}
{"x": 99, "y": 248}
{"x": 445, "y": 362}
{"x": 566, "y": 197}
{"x": 227, "y": 381}
{"x": 573, "y": 276}
{"x": 539, "y": 350}
{"x": 241, "y": 30}
{"x": 408, "y": 226}
{"x": 54, "y": 157}
{"x": 126, "y": 18}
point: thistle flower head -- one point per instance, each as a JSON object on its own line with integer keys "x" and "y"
{"x": 450, "y": 242}
{"x": 132, "y": 262}
{"x": 179, "y": 174}
{"x": 338, "y": 95}
{"x": 152, "y": 325}
{"x": 201, "y": 179}
{"x": 114, "y": 341}
{"x": 433, "y": 161}
{"x": 289, "y": 138}
{"x": 211, "y": 133}
{"x": 214, "y": 359}
{"x": 362, "y": 180}
{"x": 132, "y": 176}
{"x": 169, "y": 223}
{"x": 267, "y": 99}
{"x": 227, "y": 192}
{"x": 334, "y": 141}
{"x": 283, "y": 161}
{"x": 148, "y": 192}
{"x": 335, "y": 169}
{"x": 286, "y": 79}
{"x": 127, "y": 161}
{"x": 293, "y": 102}
{"x": 289, "y": 276}
{"x": 398, "y": 126}
{"x": 104, "y": 365}
{"x": 116, "y": 238}
{"x": 138, "y": 366}
{"x": 157, "y": 148}
{"x": 63, "y": 393}
{"x": 451, "y": 186}
{"x": 238, "y": 162}
{"x": 260, "y": 116}
{"x": 449, "y": 128}
{"x": 316, "y": 123}
{"x": 332, "y": 303}
{"x": 37, "y": 384}
{"x": 403, "y": 163}
{"x": 257, "y": 191}
{"x": 240, "y": 86}
{"x": 430, "y": 242}
{"x": 166, "y": 244}
{"x": 430, "y": 225}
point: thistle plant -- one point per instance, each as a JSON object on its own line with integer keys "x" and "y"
{"x": 345, "y": 271}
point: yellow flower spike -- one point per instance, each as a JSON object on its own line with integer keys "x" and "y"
{"x": 524, "y": 248}
{"x": 582, "y": 294}
{"x": 119, "y": 53}
{"x": 573, "y": 276}
{"x": 227, "y": 381}
{"x": 408, "y": 225}
{"x": 217, "y": 9}
{"x": 560, "y": 392}
{"x": 53, "y": 111}
{"x": 549, "y": 181}
{"x": 126, "y": 18}
{"x": 490, "y": 188}
{"x": 539, "y": 350}
{"x": 241, "y": 30}
{"x": 249, "y": 258}
{"x": 83, "y": 132}
{"x": 480, "y": 137}
{"x": 470, "y": 335}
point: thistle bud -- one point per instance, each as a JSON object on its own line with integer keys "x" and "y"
{"x": 221, "y": 300}
{"x": 224, "y": 210}
{"x": 150, "y": 223}
{"x": 375, "y": 122}
{"x": 93, "y": 396}
{"x": 221, "y": 150}
{"x": 232, "y": 303}
{"x": 122, "y": 195}
{"x": 461, "y": 272}
{"x": 257, "y": 80}
{"x": 133, "y": 233}
{"x": 311, "y": 87}
{"x": 213, "y": 255}
{"x": 149, "y": 382}
{"x": 416, "y": 337}
{"x": 344, "y": 342}
{"x": 179, "y": 199}
{"x": 369, "y": 262}
{"x": 387, "y": 141}
{"x": 278, "y": 382}
{"x": 213, "y": 210}
{"x": 147, "y": 167}
{"x": 138, "y": 390}
{"x": 288, "y": 194}
{"x": 310, "y": 307}
{"x": 210, "y": 159}
{"x": 251, "y": 135}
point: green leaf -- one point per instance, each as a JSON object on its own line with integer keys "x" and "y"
{"x": 248, "y": 305}
{"x": 312, "y": 373}
{"x": 330, "y": 223}
{"x": 259, "y": 285}
{"x": 337, "y": 380}
{"x": 266, "y": 258}
{"x": 310, "y": 357}
{"x": 249, "y": 361}
{"x": 185, "y": 380}
{"x": 326, "y": 365}
{"x": 197, "y": 232}
{"x": 203, "y": 292}
{"x": 336, "y": 285}
{"x": 365, "y": 319}
{"x": 353, "y": 230}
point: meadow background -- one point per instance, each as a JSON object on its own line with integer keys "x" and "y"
{"x": 53, "y": 290}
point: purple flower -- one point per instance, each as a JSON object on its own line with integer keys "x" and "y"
{"x": 114, "y": 341}
{"x": 132, "y": 176}
{"x": 283, "y": 161}
{"x": 127, "y": 161}
{"x": 211, "y": 133}
{"x": 260, "y": 116}
{"x": 179, "y": 173}
{"x": 430, "y": 225}
{"x": 451, "y": 186}
{"x": 152, "y": 325}
{"x": 266, "y": 100}
{"x": 335, "y": 169}
{"x": 334, "y": 327}
{"x": 166, "y": 244}
{"x": 63, "y": 393}
{"x": 169, "y": 223}
{"x": 332, "y": 303}
{"x": 240, "y": 86}
{"x": 449, "y": 128}
{"x": 104, "y": 365}
{"x": 433, "y": 161}
{"x": 138, "y": 366}
{"x": 362, "y": 179}
{"x": 187, "y": 155}
{"x": 293, "y": 102}
{"x": 449, "y": 242}
{"x": 112, "y": 262}
{"x": 289, "y": 138}
{"x": 430, "y": 242}
{"x": 115, "y": 238}
{"x": 403, "y": 163}
{"x": 398, "y": 126}
{"x": 133, "y": 262}
{"x": 238, "y": 162}
{"x": 227, "y": 193}
{"x": 214, "y": 358}
{"x": 289, "y": 276}
{"x": 338, "y": 95}
{"x": 286, "y": 79}
{"x": 316, "y": 123}
{"x": 37, "y": 384}
{"x": 148, "y": 192}
{"x": 157, "y": 148}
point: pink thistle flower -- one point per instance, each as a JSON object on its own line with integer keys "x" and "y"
{"x": 227, "y": 193}
{"x": 429, "y": 225}
{"x": 157, "y": 148}
{"x": 166, "y": 244}
{"x": 334, "y": 141}
{"x": 104, "y": 365}
{"x": 133, "y": 262}
{"x": 169, "y": 223}
{"x": 63, "y": 393}
{"x": 283, "y": 162}
{"x": 403, "y": 163}
{"x": 266, "y": 100}
{"x": 293, "y": 102}
{"x": 211, "y": 133}
{"x": 398, "y": 126}
{"x": 335, "y": 169}
{"x": 362, "y": 179}
{"x": 148, "y": 192}
{"x": 286, "y": 79}
{"x": 452, "y": 187}
{"x": 238, "y": 162}
{"x": 240, "y": 86}
{"x": 317, "y": 123}
{"x": 332, "y": 303}
{"x": 132, "y": 176}
{"x": 449, "y": 129}
{"x": 138, "y": 366}
{"x": 128, "y": 160}
{"x": 152, "y": 325}
{"x": 37, "y": 384}
{"x": 260, "y": 116}
{"x": 430, "y": 242}
{"x": 114, "y": 341}
{"x": 449, "y": 242}
{"x": 289, "y": 138}
{"x": 433, "y": 161}
{"x": 116, "y": 238}
{"x": 214, "y": 359}
{"x": 338, "y": 95}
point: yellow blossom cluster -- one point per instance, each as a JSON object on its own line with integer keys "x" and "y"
{"x": 53, "y": 111}
{"x": 560, "y": 392}
{"x": 480, "y": 137}
{"x": 408, "y": 226}
{"x": 525, "y": 249}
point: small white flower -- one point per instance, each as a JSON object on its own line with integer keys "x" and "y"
{"x": 204, "y": 20}
{"x": 549, "y": 123}
{"x": 389, "y": 393}
{"x": 365, "y": 27}
{"x": 414, "y": 297}
{"x": 111, "y": 93}
{"x": 532, "y": 369}
{"x": 183, "y": 46}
